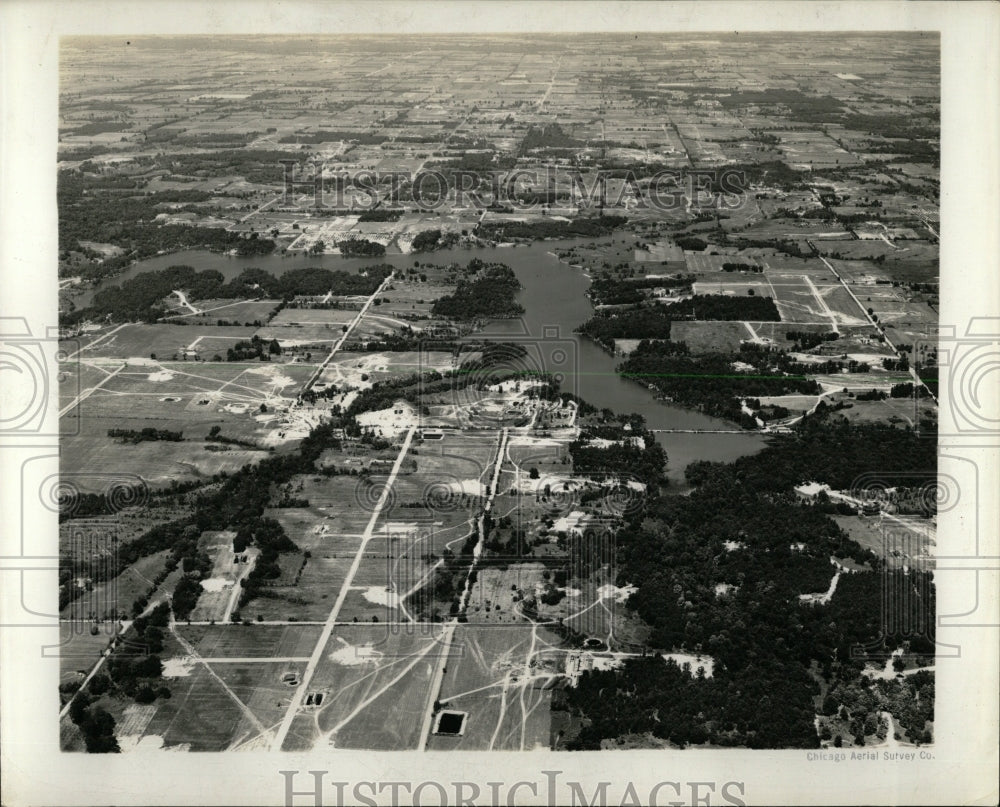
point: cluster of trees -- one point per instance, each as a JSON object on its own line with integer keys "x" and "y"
{"x": 255, "y": 165}
{"x": 428, "y": 240}
{"x": 309, "y": 281}
{"x": 653, "y": 321}
{"x": 95, "y": 723}
{"x": 853, "y": 707}
{"x": 381, "y": 214}
{"x": 195, "y": 564}
{"x": 487, "y": 291}
{"x": 255, "y": 348}
{"x": 641, "y": 322}
{"x": 634, "y": 452}
{"x": 609, "y": 290}
{"x": 743, "y": 527}
{"x": 94, "y": 209}
{"x": 691, "y": 243}
{"x": 739, "y": 266}
{"x": 141, "y": 298}
{"x": 709, "y": 382}
{"x": 141, "y": 602}
{"x": 361, "y": 247}
{"x": 836, "y": 453}
{"x": 894, "y": 127}
{"x": 85, "y": 505}
{"x": 535, "y": 230}
{"x": 794, "y": 104}
{"x": 145, "y": 435}
{"x": 333, "y": 136}
{"x": 133, "y": 669}
{"x": 807, "y": 340}
{"x": 549, "y": 136}
{"x": 724, "y": 307}
{"x": 107, "y": 566}
{"x": 215, "y": 436}
{"x": 269, "y": 536}
{"x": 485, "y": 160}
{"x": 786, "y": 245}
{"x": 655, "y": 697}
{"x": 489, "y": 368}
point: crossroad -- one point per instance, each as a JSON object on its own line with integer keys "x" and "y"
{"x": 917, "y": 380}
{"x": 343, "y": 338}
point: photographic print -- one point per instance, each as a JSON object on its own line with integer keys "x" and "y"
{"x": 614, "y": 401}
{"x": 499, "y": 393}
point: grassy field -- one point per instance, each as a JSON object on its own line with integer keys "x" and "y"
{"x": 239, "y": 641}
{"x": 114, "y": 598}
{"x": 157, "y": 463}
{"x": 376, "y": 686}
{"x": 244, "y": 312}
{"x": 220, "y": 711}
{"x": 79, "y": 649}
{"x": 905, "y": 540}
{"x": 734, "y": 285}
{"x": 226, "y": 686}
{"x": 218, "y": 585}
{"x": 139, "y": 341}
{"x": 75, "y": 376}
{"x": 710, "y": 337}
{"x": 310, "y": 599}
{"x": 186, "y": 397}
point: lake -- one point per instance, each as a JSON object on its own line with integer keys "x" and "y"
{"x": 554, "y": 298}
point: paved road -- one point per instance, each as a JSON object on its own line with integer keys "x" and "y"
{"x": 331, "y": 620}
{"x": 449, "y": 631}
{"x": 353, "y": 324}
{"x": 913, "y": 373}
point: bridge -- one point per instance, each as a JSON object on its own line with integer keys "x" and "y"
{"x": 704, "y": 431}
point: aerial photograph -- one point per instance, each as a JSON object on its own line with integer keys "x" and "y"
{"x": 498, "y": 393}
